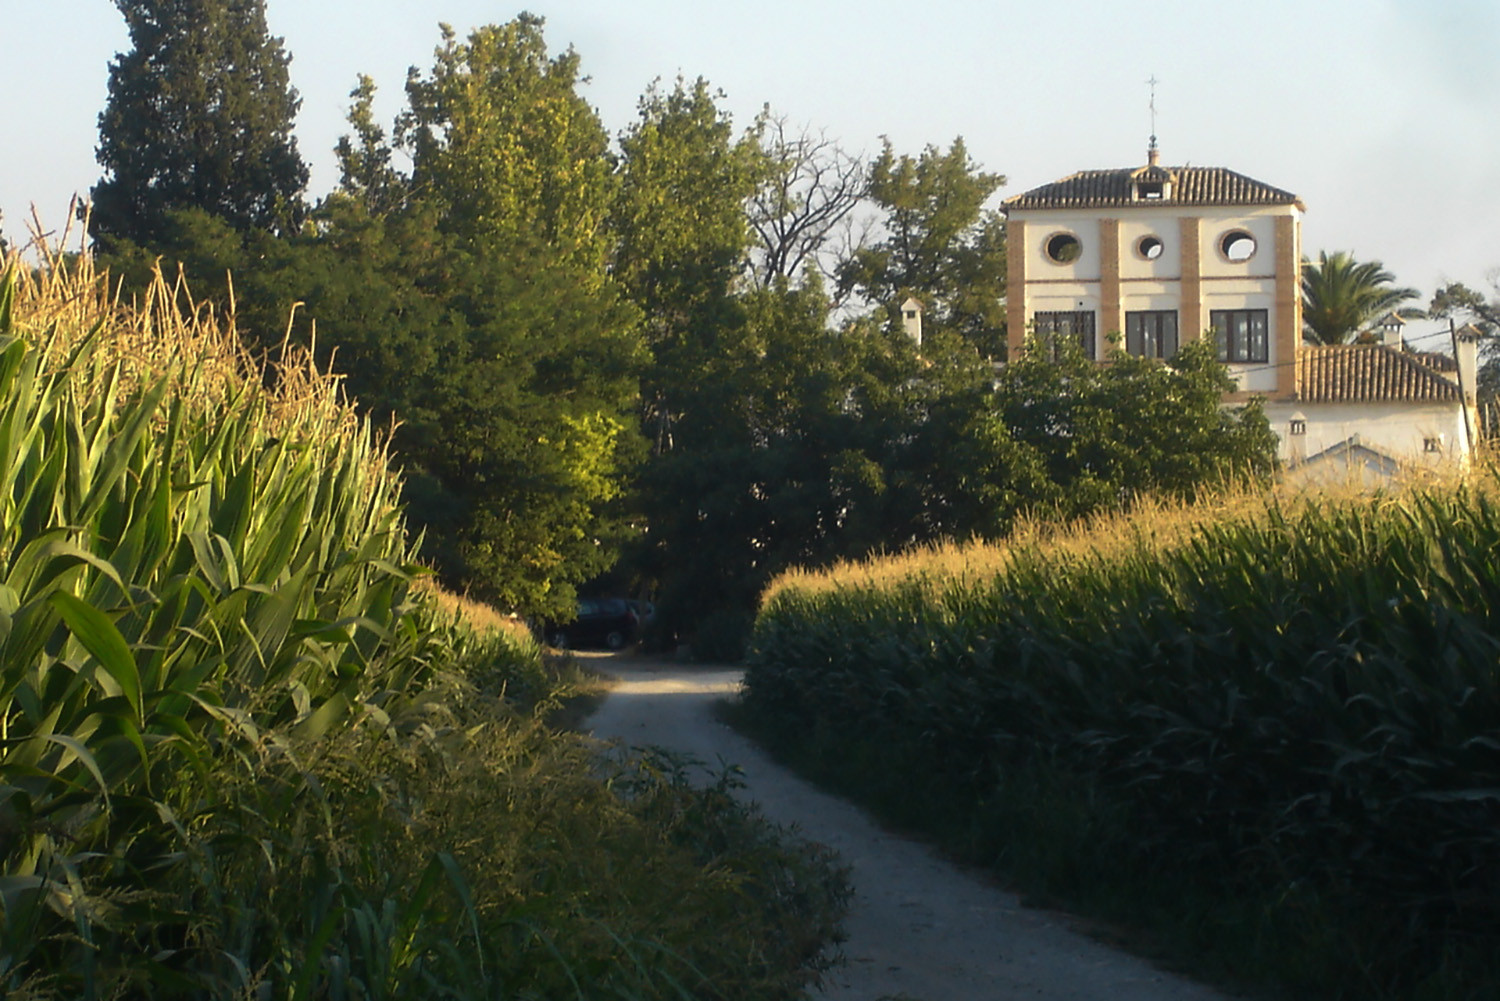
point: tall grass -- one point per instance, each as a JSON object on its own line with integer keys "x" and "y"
{"x": 244, "y": 752}
{"x": 1277, "y": 718}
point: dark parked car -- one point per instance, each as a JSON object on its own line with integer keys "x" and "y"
{"x": 609, "y": 622}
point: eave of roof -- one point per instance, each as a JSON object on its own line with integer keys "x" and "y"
{"x": 1369, "y": 373}
{"x": 1095, "y": 189}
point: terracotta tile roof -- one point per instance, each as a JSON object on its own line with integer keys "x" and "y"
{"x": 1097, "y": 189}
{"x": 1437, "y": 361}
{"x": 1369, "y": 373}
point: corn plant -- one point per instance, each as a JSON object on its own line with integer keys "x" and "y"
{"x": 245, "y": 750}
{"x": 1300, "y": 698}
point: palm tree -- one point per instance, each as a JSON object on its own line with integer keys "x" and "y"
{"x": 1340, "y": 295}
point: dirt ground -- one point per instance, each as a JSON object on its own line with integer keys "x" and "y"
{"x": 920, "y": 928}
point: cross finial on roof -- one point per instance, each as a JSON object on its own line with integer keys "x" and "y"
{"x": 1151, "y": 149}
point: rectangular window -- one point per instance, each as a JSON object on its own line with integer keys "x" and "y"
{"x": 1151, "y": 333}
{"x": 1243, "y": 334}
{"x": 1055, "y": 325}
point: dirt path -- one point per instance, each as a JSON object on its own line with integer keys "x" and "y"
{"x": 920, "y": 929}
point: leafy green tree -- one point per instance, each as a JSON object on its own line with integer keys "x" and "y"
{"x": 500, "y": 135}
{"x": 953, "y": 467}
{"x": 1459, "y": 301}
{"x": 200, "y": 115}
{"x": 941, "y": 245}
{"x": 813, "y": 444}
{"x": 1341, "y": 295}
{"x": 504, "y": 357}
{"x": 682, "y": 238}
{"x": 473, "y": 303}
{"x": 1107, "y": 434}
{"x": 365, "y": 172}
{"x": 754, "y": 481}
{"x": 680, "y": 222}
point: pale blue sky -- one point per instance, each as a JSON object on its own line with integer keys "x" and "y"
{"x": 1384, "y": 115}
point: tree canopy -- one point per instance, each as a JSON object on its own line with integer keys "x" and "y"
{"x": 471, "y": 301}
{"x": 200, "y": 115}
{"x": 682, "y": 240}
{"x": 617, "y": 364}
{"x": 500, "y": 135}
{"x": 467, "y": 306}
{"x": 941, "y": 245}
{"x": 1458, "y": 302}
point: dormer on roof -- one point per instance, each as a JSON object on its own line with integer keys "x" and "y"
{"x": 1153, "y": 182}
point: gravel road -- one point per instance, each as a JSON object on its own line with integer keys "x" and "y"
{"x": 920, "y": 928}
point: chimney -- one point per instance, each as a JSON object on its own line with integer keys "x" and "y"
{"x": 911, "y": 319}
{"x": 1296, "y": 439}
{"x": 1466, "y": 354}
{"x": 1389, "y": 329}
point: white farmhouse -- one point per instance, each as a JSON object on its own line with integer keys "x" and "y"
{"x": 1161, "y": 255}
{"x": 1368, "y": 410}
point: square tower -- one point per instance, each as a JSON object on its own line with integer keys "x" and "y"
{"x": 1160, "y": 256}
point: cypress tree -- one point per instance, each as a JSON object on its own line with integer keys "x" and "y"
{"x": 200, "y": 115}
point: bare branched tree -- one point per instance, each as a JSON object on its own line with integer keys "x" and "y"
{"x": 807, "y": 199}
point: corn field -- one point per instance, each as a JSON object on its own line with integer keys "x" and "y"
{"x": 244, "y": 753}
{"x": 1291, "y": 700}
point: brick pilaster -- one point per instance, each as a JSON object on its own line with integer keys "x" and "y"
{"x": 1288, "y": 315}
{"x": 1111, "y": 318}
{"x": 1192, "y": 322}
{"x": 1015, "y": 286}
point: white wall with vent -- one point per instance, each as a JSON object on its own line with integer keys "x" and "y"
{"x": 1404, "y": 431}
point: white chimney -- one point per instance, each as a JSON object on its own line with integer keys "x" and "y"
{"x": 1296, "y": 439}
{"x": 1466, "y": 354}
{"x": 1389, "y": 328}
{"x": 911, "y": 319}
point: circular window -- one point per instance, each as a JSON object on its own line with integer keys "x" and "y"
{"x": 1063, "y": 248}
{"x": 1237, "y": 246}
{"x": 1150, "y": 247}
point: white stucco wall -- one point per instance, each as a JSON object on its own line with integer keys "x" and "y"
{"x": 1163, "y": 223}
{"x": 1260, "y": 223}
{"x": 1157, "y": 284}
{"x": 1135, "y": 226}
{"x": 1083, "y": 225}
{"x": 1397, "y": 429}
